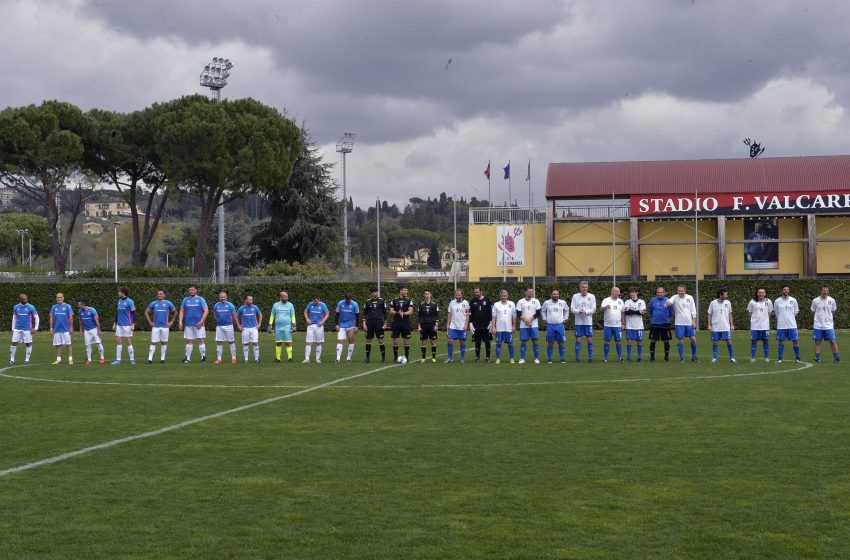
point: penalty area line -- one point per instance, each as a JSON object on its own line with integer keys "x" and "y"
{"x": 179, "y": 425}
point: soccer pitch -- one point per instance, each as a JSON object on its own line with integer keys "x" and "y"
{"x": 633, "y": 460}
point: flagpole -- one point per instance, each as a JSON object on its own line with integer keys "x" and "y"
{"x": 613, "y": 244}
{"x": 454, "y": 264}
{"x": 510, "y": 198}
{"x": 528, "y": 178}
{"x": 533, "y": 244}
{"x": 696, "y": 254}
{"x": 378, "y": 230}
{"x": 489, "y": 197}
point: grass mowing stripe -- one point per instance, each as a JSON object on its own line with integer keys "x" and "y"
{"x": 171, "y": 428}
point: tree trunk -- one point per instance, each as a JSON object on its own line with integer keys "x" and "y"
{"x": 208, "y": 208}
{"x": 134, "y": 217}
{"x": 55, "y": 245}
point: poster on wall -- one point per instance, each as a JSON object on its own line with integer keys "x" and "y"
{"x": 759, "y": 255}
{"x": 510, "y": 245}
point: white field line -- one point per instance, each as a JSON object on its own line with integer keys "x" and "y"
{"x": 806, "y": 365}
{"x": 185, "y": 423}
{"x": 130, "y": 384}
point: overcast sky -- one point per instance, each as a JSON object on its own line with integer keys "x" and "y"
{"x": 435, "y": 89}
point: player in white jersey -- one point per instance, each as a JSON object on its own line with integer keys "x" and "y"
{"x": 685, "y": 322}
{"x": 457, "y": 325}
{"x": 583, "y": 305}
{"x": 823, "y": 308}
{"x": 555, "y": 312}
{"x": 721, "y": 324}
{"x": 612, "y": 323}
{"x": 504, "y": 325}
{"x": 785, "y": 308}
{"x": 760, "y": 309}
{"x": 528, "y": 311}
{"x": 633, "y": 311}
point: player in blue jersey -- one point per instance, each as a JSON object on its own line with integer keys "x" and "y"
{"x": 250, "y": 319}
{"x": 160, "y": 315}
{"x": 225, "y": 317}
{"x": 24, "y": 323}
{"x": 282, "y": 323}
{"x": 125, "y": 324}
{"x": 315, "y": 313}
{"x": 61, "y": 323}
{"x": 90, "y": 329}
{"x": 347, "y": 318}
{"x": 193, "y": 317}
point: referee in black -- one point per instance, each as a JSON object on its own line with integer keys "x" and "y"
{"x": 480, "y": 316}
{"x": 429, "y": 313}
{"x": 374, "y": 319}
{"x": 401, "y": 308}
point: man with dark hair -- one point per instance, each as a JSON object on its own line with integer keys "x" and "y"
{"x": 374, "y": 319}
{"x": 194, "y": 311}
{"x": 633, "y": 311}
{"x": 124, "y": 325}
{"x": 90, "y": 329}
{"x": 401, "y": 309}
{"x": 480, "y": 316}
{"x": 720, "y": 324}
{"x": 429, "y": 313}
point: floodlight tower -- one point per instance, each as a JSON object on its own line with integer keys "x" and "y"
{"x": 345, "y": 146}
{"x": 215, "y": 76}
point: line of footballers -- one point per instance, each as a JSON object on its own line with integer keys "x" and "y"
{"x": 485, "y": 320}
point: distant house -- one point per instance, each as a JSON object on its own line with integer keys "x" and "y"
{"x": 6, "y": 196}
{"x": 92, "y": 228}
{"x": 109, "y": 209}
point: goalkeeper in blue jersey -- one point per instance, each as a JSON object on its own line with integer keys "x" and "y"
{"x": 282, "y": 322}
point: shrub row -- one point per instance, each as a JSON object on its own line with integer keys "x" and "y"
{"x": 103, "y": 296}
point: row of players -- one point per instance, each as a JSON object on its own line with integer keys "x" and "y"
{"x": 483, "y": 318}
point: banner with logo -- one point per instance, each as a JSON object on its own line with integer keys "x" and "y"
{"x": 510, "y": 245}
{"x": 742, "y": 204}
{"x": 760, "y": 254}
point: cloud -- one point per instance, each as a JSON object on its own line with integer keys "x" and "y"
{"x": 546, "y": 80}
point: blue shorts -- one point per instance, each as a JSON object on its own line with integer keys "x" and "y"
{"x": 612, "y": 332}
{"x": 457, "y": 334}
{"x": 503, "y": 336}
{"x": 634, "y": 334}
{"x": 584, "y": 330}
{"x": 721, "y": 335}
{"x": 683, "y": 331}
{"x": 528, "y": 333}
{"x": 555, "y": 333}
{"x": 823, "y": 334}
{"x": 787, "y": 334}
{"x": 759, "y": 335}
{"x": 283, "y": 335}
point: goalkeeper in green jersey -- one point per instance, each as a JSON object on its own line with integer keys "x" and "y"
{"x": 282, "y": 323}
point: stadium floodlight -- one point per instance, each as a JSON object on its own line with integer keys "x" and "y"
{"x": 345, "y": 146}
{"x": 215, "y": 76}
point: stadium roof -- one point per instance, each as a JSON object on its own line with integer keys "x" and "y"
{"x": 602, "y": 179}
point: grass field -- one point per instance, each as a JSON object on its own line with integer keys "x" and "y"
{"x": 649, "y": 460}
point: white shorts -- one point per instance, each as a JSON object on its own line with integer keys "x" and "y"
{"x": 91, "y": 337}
{"x": 191, "y": 333}
{"x": 315, "y": 334}
{"x": 61, "y": 339}
{"x": 159, "y": 334}
{"x": 124, "y": 332}
{"x": 21, "y": 336}
{"x": 250, "y": 335}
{"x": 224, "y": 333}
{"x": 343, "y": 333}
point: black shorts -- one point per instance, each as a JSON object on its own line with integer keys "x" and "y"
{"x": 402, "y": 331}
{"x": 374, "y": 329}
{"x": 659, "y": 332}
{"x": 427, "y": 332}
{"x": 482, "y": 334}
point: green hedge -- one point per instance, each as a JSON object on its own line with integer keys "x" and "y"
{"x": 102, "y": 296}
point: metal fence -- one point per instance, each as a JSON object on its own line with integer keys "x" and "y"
{"x": 502, "y": 215}
{"x": 619, "y": 210}
{"x": 233, "y": 280}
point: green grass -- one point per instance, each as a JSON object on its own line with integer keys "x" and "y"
{"x": 649, "y": 460}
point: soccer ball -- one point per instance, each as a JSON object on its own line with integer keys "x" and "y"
{"x": 402, "y": 360}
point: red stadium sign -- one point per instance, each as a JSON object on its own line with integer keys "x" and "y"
{"x": 745, "y": 204}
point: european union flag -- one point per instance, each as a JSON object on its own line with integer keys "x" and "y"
{"x": 507, "y": 170}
